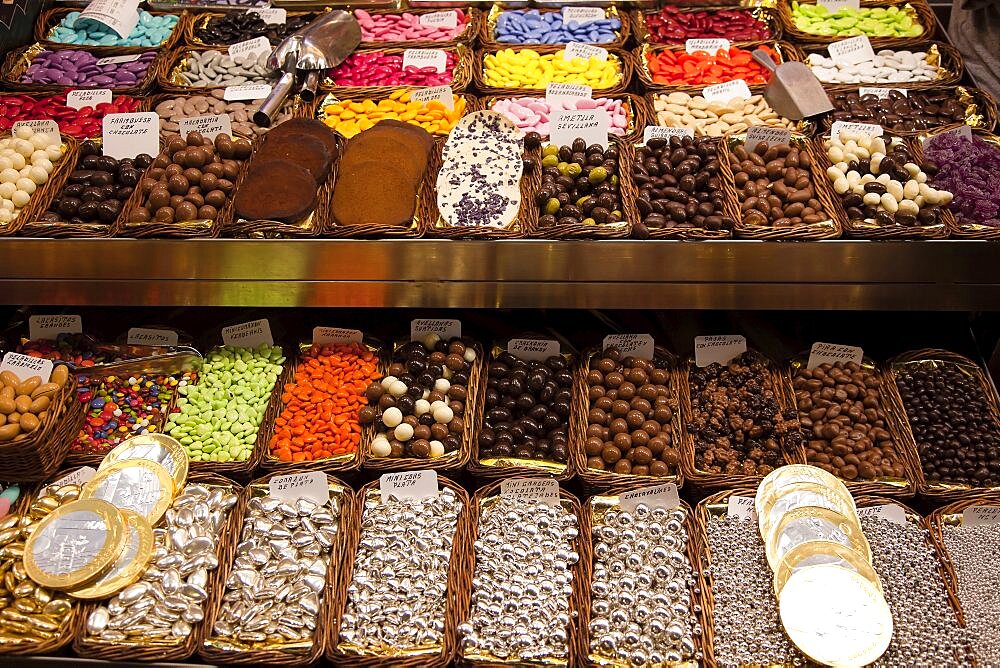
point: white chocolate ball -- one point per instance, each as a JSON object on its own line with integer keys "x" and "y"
{"x": 27, "y": 185}
{"x": 387, "y": 381}
{"x": 443, "y": 414}
{"x": 7, "y": 190}
{"x": 442, "y": 385}
{"x": 437, "y": 449}
{"x": 403, "y": 432}
{"x": 20, "y": 199}
{"x": 420, "y": 407}
{"x": 24, "y": 132}
{"x": 9, "y": 176}
{"x": 398, "y": 388}
{"x": 392, "y": 417}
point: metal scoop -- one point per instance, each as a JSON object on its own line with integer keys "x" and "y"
{"x": 322, "y": 44}
{"x": 794, "y": 91}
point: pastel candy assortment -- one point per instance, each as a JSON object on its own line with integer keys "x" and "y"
{"x": 79, "y": 69}
{"x": 27, "y": 160}
{"x": 406, "y": 27}
{"x": 531, "y": 114}
{"x": 716, "y": 118}
{"x": 214, "y": 68}
{"x": 888, "y": 67}
{"x": 151, "y": 30}
{"x": 534, "y": 27}
{"x": 77, "y": 123}
{"x": 525, "y": 68}
{"x": 847, "y": 22}
{"x": 212, "y": 104}
{"x": 377, "y": 68}
{"x": 349, "y": 117}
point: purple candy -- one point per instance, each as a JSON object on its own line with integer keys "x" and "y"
{"x": 76, "y": 67}
{"x": 971, "y": 170}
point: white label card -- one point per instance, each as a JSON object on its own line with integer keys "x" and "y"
{"x": 533, "y": 349}
{"x": 545, "y": 490}
{"x": 831, "y": 353}
{"x": 721, "y": 349}
{"x": 761, "y": 133}
{"x": 271, "y": 15}
{"x": 26, "y": 366}
{"x": 881, "y": 93}
{"x": 851, "y": 51}
{"x": 129, "y": 135}
{"x": 834, "y": 5}
{"x": 122, "y": 16}
{"x": 295, "y": 486}
{"x": 562, "y": 91}
{"x": 442, "y": 94}
{"x": 78, "y": 477}
{"x": 142, "y": 336}
{"x": 117, "y": 60}
{"x": 710, "y": 46}
{"x": 631, "y": 345}
{"x": 257, "y": 45}
{"x": 864, "y": 128}
{"x": 977, "y": 515}
{"x": 443, "y": 327}
{"x": 39, "y": 125}
{"x": 336, "y": 335}
{"x": 961, "y": 131}
{"x": 440, "y": 19}
{"x": 248, "y": 334}
{"x": 246, "y": 92}
{"x": 742, "y": 508}
{"x": 660, "y": 132}
{"x": 436, "y": 58}
{"x": 583, "y": 14}
{"x": 209, "y": 126}
{"x": 724, "y": 92}
{"x": 585, "y": 51}
{"x": 886, "y": 511}
{"x": 48, "y": 327}
{"x": 408, "y": 484}
{"x": 566, "y": 125}
{"x": 659, "y": 496}
{"x": 78, "y": 99}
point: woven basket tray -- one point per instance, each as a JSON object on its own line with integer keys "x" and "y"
{"x": 198, "y": 21}
{"x": 828, "y": 229}
{"x": 625, "y": 60}
{"x": 864, "y": 229}
{"x": 904, "y": 487}
{"x": 473, "y": 26}
{"x": 936, "y": 491}
{"x": 461, "y": 74}
{"x": 964, "y": 230}
{"x": 211, "y": 653}
{"x": 451, "y": 461}
{"x": 595, "y": 480}
{"x": 39, "y": 201}
{"x": 175, "y": 62}
{"x": 92, "y": 648}
{"x": 50, "y": 18}
{"x": 488, "y": 40}
{"x": 458, "y": 593}
{"x": 342, "y": 464}
{"x": 918, "y": 10}
{"x": 704, "y": 480}
{"x": 767, "y": 15}
{"x": 786, "y": 52}
{"x": 579, "y": 600}
{"x": 18, "y": 61}
{"x": 636, "y": 108}
{"x": 944, "y": 56}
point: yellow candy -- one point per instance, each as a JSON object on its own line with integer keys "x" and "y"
{"x": 526, "y": 68}
{"x": 349, "y": 117}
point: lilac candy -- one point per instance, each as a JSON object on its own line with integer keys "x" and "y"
{"x": 72, "y": 67}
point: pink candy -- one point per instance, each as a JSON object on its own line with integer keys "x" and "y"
{"x": 531, "y": 114}
{"x": 377, "y": 68}
{"x": 405, "y": 27}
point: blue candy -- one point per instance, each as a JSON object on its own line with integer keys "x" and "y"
{"x": 151, "y": 30}
{"x": 534, "y": 27}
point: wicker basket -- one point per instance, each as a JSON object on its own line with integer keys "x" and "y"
{"x": 461, "y": 73}
{"x": 625, "y": 60}
{"x": 863, "y": 229}
{"x": 578, "y": 600}
{"x": 804, "y": 127}
{"x": 511, "y": 467}
{"x": 342, "y": 464}
{"x": 488, "y": 40}
{"x": 18, "y": 61}
{"x": 944, "y": 56}
{"x": 198, "y": 21}
{"x": 451, "y": 461}
{"x": 918, "y": 10}
{"x": 706, "y": 481}
{"x": 468, "y": 36}
{"x": 93, "y": 648}
{"x": 50, "y": 18}
{"x": 766, "y": 15}
{"x": 618, "y": 230}
{"x": 981, "y": 111}
{"x": 39, "y": 201}
{"x": 595, "y": 480}
{"x": 827, "y": 229}
{"x": 458, "y": 593}
{"x": 692, "y": 551}
{"x": 637, "y": 111}
{"x": 963, "y": 230}
{"x": 785, "y": 52}
{"x": 212, "y": 653}
{"x": 904, "y": 487}
{"x": 936, "y": 491}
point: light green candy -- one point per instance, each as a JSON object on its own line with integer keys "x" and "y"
{"x": 220, "y": 416}
{"x": 847, "y": 22}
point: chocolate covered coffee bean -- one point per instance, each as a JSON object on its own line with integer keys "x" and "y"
{"x": 775, "y": 186}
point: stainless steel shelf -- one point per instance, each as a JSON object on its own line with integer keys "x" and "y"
{"x": 945, "y": 275}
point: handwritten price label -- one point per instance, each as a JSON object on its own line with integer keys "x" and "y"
{"x": 660, "y": 496}
{"x": 440, "y": 19}
{"x": 863, "y": 128}
{"x": 25, "y": 366}
{"x": 48, "y": 327}
{"x": 255, "y": 46}
{"x": 446, "y": 329}
{"x": 118, "y": 60}
{"x": 38, "y": 125}
{"x": 718, "y": 349}
{"x": 78, "y": 99}
{"x": 209, "y": 126}
{"x": 129, "y": 135}
{"x": 660, "y": 132}
{"x": 336, "y": 335}
{"x": 545, "y": 490}
{"x": 851, "y": 51}
{"x": 442, "y": 94}
{"x": 582, "y": 14}
{"x": 761, "y": 133}
{"x": 881, "y": 93}
{"x": 435, "y": 58}
{"x": 834, "y": 5}
{"x": 635, "y": 345}
{"x": 831, "y": 353}
{"x": 246, "y": 92}
{"x": 585, "y": 51}
{"x": 711, "y": 46}
{"x": 408, "y": 485}
{"x": 741, "y": 508}
{"x": 271, "y": 15}
{"x": 566, "y": 125}
{"x": 533, "y": 349}
{"x": 724, "y": 92}
{"x": 563, "y": 91}
{"x": 886, "y": 511}
{"x": 295, "y": 486}
{"x": 961, "y": 131}
{"x": 140, "y": 336}
{"x": 977, "y": 515}
{"x": 248, "y": 334}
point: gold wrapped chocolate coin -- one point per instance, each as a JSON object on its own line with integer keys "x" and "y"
{"x": 159, "y": 448}
{"x": 129, "y": 565}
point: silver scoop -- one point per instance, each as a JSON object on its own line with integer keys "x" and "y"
{"x": 794, "y": 91}
{"x": 324, "y": 43}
